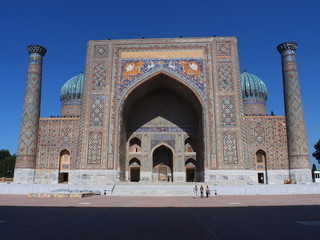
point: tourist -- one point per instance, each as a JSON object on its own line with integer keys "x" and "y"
{"x": 195, "y": 191}
{"x": 201, "y": 191}
{"x": 207, "y": 192}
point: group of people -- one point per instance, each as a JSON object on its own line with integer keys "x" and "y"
{"x": 195, "y": 190}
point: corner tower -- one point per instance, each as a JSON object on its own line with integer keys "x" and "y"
{"x": 299, "y": 163}
{"x": 28, "y": 137}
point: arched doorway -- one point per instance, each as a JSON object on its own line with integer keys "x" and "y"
{"x": 64, "y": 166}
{"x": 191, "y": 170}
{"x": 134, "y": 166}
{"x": 161, "y": 111}
{"x": 261, "y": 160}
{"x": 162, "y": 164}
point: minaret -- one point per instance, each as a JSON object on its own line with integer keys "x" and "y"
{"x": 28, "y": 138}
{"x": 299, "y": 163}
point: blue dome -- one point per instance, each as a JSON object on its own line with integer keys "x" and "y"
{"x": 72, "y": 89}
{"x": 253, "y": 87}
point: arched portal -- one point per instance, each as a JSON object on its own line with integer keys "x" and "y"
{"x": 162, "y": 164}
{"x": 160, "y": 111}
{"x": 190, "y": 170}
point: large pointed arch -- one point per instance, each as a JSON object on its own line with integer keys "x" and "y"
{"x": 151, "y": 82}
{"x": 146, "y": 87}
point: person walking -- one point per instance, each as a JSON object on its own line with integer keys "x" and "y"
{"x": 207, "y": 191}
{"x": 201, "y": 191}
{"x": 195, "y": 190}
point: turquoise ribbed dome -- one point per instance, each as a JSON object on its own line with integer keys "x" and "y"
{"x": 253, "y": 87}
{"x": 72, "y": 89}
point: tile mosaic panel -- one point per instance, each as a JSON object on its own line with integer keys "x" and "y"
{"x": 99, "y": 77}
{"x": 227, "y": 112}
{"x": 225, "y": 77}
{"x": 259, "y": 133}
{"x": 230, "y": 155}
{"x": 97, "y": 110}
{"x": 190, "y": 68}
{"x": 100, "y": 51}
{"x": 94, "y": 149}
{"x": 223, "y": 49}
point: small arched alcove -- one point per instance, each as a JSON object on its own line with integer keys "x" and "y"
{"x": 191, "y": 170}
{"x": 261, "y": 165}
{"x": 64, "y": 166}
{"x": 135, "y": 145}
{"x": 134, "y": 166}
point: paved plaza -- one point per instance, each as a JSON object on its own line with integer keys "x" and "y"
{"x": 105, "y": 217}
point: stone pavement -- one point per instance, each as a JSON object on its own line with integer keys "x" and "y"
{"x": 130, "y": 218}
{"x": 213, "y": 201}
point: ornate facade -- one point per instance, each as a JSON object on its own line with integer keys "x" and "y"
{"x": 172, "y": 110}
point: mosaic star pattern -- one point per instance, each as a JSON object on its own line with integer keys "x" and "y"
{"x": 97, "y": 110}
{"x": 227, "y": 112}
{"x": 94, "y": 149}
{"x": 230, "y": 154}
{"x": 223, "y": 49}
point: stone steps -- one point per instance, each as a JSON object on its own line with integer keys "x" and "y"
{"x": 160, "y": 189}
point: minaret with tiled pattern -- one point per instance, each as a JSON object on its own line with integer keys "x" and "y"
{"x": 299, "y": 163}
{"x": 28, "y": 138}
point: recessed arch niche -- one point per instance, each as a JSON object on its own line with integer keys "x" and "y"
{"x": 162, "y": 110}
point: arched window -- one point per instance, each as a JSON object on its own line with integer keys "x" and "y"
{"x": 189, "y": 145}
{"x": 134, "y": 170}
{"x": 261, "y": 159}
{"x": 190, "y": 163}
{"x": 64, "y": 160}
{"x": 135, "y": 145}
{"x": 134, "y": 163}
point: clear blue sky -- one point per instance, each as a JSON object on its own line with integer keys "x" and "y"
{"x": 64, "y": 27}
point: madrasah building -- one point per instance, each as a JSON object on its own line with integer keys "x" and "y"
{"x": 152, "y": 110}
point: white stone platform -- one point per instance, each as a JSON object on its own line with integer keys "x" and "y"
{"x": 161, "y": 189}
{"x": 11, "y": 188}
{"x": 186, "y": 189}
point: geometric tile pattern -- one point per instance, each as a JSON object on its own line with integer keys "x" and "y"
{"x": 223, "y": 49}
{"x": 99, "y": 77}
{"x": 230, "y": 155}
{"x": 96, "y": 112}
{"x": 259, "y": 135}
{"x": 94, "y": 149}
{"x": 100, "y": 51}
{"x": 55, "y": 135}
{"x": 66, "y": 134}
{"x": 269, "y": 135}
{"x": 225, "y": 77}
{"x": 227, "y": 112}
